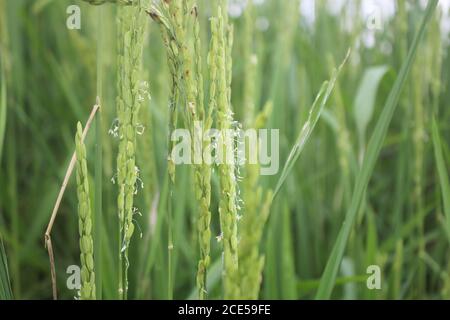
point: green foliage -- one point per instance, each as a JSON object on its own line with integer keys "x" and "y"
{"x": 373, "y": 151}
{"x": 264, "y": 68}
{"x": 442, "y": 172}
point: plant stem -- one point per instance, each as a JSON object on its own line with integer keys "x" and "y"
{"x": 98, "y": 219}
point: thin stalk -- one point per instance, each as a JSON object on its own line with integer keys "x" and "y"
{"x": 3, "y": 106}
{"x": 98, "y": 219}
{"x": 228, "y": 210}
{"x": 88, "y": 290}
{"x": 132, "y": 93}
{"x": 48, "y": 232}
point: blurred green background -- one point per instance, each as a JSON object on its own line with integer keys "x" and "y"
{"x": 50, "y": 79}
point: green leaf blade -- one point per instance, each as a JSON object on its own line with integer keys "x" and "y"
{"x": 442, "y": 172}
{"x": 374, "y": 148}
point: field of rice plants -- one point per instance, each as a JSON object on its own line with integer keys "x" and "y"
{"x": 224, "y": 149}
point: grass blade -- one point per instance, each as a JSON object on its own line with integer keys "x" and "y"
{"x": 3, "y": 99}
{"x": 442, "y": 172}
{"x": 5, "y": 284}
{"x": 314, "y": 115}
{"x": 363, "y": 107}
{"x": 373, "y": 150}
{"x": 98, "y": 212}
{"x": 364, "y": 104}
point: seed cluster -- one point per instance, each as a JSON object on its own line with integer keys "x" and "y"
{"x": 185, "y": 65}
{"x": 203, "y": 171}
{"x": 131, "y": 95}
{"x": 228, "y": 182}
{"x": 87, "y": 291}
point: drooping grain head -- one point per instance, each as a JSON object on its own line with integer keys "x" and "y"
{"x": 88, "y": 289}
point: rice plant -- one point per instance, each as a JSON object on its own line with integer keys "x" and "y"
{"x": 359, "y": 103}
{"x": 87, "y": 291}
{"x": 132, "y": 93}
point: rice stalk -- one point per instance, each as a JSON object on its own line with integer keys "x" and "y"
{"x": 132, "y": 93}
{"x": 257, "y": 203}
{"x": 203, "y": 171}
{"x": 229, "y": 36}
{"x": 187, "y": 87}
{"x": 228, "y": 211}
{"x": 194, "y": 113}
{"x": 256, "y": 200}
{"x": 343, "y": 138}
{"x": 88, "y": 290}
{"x": 98, "y": 175}
{"x": 48, "y": 231}
{"x": 163, "y": 15}
{"x": 146, "y": 156}
{"x": 256, "y": 213}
